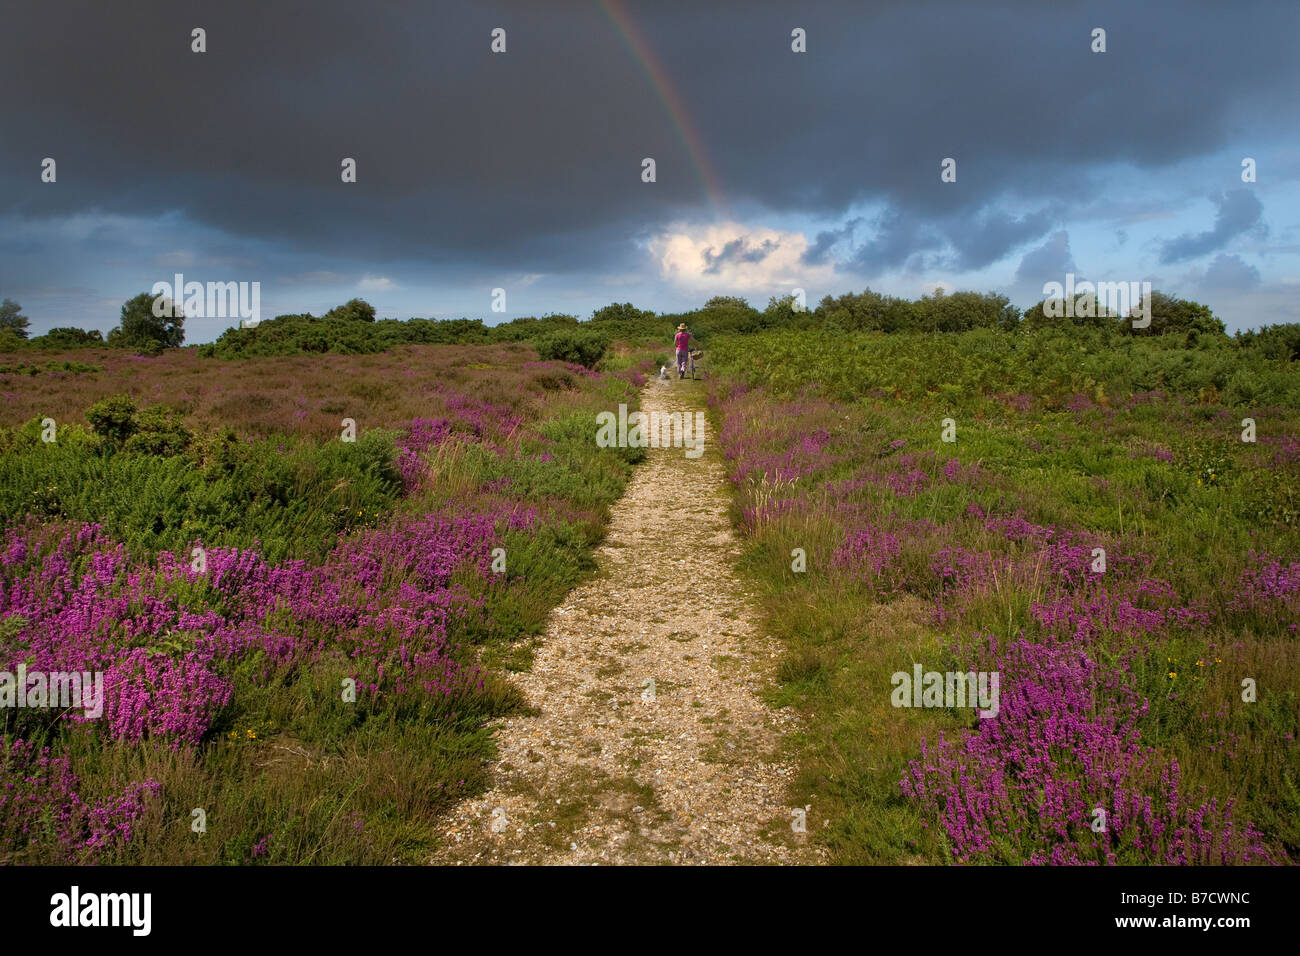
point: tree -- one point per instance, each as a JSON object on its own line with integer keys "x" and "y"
{"x": 869, "y": 310}
{"x": 354, "y": 310}
{"x": 1170, "y": 314}
{"x": 733, "y": 302}
{"x": 620, "y": 312}
{"x": 727, "y": 313}
{"x": 942, "y": 311}
{"x": 68, "y": 337}
{"x": 1086, "y": 311}
{"x": 781, "y": 310}
{"x": 12, "y": 318}
{"x": 140, "y": 326}
{"x": 1280, "y": 342}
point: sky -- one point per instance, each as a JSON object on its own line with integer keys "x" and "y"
{"x": 775, "y": 170}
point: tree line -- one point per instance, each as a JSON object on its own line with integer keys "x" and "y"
{"x": 354, "y": 328}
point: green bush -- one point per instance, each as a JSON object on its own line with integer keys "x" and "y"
{"x": 354, "y": 310}
{"x": 1181, "y": 316}
{"x": 622, "y": 312}
{"x": 1277, "y": 342}
{"x": 155, "y": 430}
{"x": 1052, "y": 364}
{"x": 159, "y": 431}
{"x": 290, "y": 499}
{"x": 66, "y": 337}
{"x": 580, "y": 347}
{"x": 529, "y": 329}
{"x": 113, "y": 419}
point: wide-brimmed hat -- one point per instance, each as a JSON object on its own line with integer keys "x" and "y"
{"x": 681, "y": 327}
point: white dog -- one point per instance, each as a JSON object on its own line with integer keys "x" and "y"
{"x": 663, "y": 372}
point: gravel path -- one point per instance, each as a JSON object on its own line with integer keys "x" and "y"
{"x": 611, "y": 769}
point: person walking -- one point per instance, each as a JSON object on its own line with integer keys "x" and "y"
{"x": 683, "y": 342}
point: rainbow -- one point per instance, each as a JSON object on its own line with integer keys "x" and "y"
{"x": 672, "y": 100}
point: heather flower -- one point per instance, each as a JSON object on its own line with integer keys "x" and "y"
{"x": 1065, "y": 742}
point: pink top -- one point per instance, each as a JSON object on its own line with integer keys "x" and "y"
{"x": 683, "y": 338}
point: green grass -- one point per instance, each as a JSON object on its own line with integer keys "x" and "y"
{"x": 289, "y": 773}
{"x": 1099, "y": 466}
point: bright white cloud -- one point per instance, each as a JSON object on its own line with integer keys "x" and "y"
{"x": 733, "y": 257}
{"x": 375, "y": 284}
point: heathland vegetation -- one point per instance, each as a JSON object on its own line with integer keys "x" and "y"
{"x": 301, "y": 635}
{"x": 243, "y": 534}
{"x": 1113, "y": 527}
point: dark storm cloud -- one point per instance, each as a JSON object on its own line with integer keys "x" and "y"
{"x": 1239, "y": 212}
{"x": 898, "y": 237}
{"x": 462, "y": 154}
{"x": 1010, "y": 91}
{"x": 738, "y": 251}
{"x": 530, "y": 160}
{"x": 1229, "y": 274}
{"x": 819, "y": 251}
{"x": 1048, "y": 263}
{"x": 991, "y": 236}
